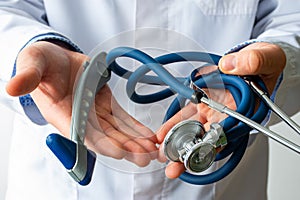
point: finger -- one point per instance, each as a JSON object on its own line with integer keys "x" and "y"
{"x": 134, "y": 128}
{"x": 137, "y": 154}
{"x": 115, "y": 128}
{"x": 30, "y": 66}
{"x": 106, "y": 146}
{"x": 149, "y": 146}
{"x": 110, "y": 110}
{"x": 205, "y": 124}
{"x": 184, "y": 113}
{"x": 161, "y": 155}
{"x": 109, "y": 146}
{"x": 128, "y": 124}
{"x": 140, "y": 151}
{"x": 174, "y": 169}
{"x": 255, "y": 59}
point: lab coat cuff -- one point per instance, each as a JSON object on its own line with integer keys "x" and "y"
{"x": 29, "y": 106}
{"x": 242, "y": 45}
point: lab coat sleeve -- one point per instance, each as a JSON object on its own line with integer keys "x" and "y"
{"x": 22, "y": 23}
{"x": 278, "y": 21}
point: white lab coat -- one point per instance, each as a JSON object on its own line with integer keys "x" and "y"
{"x": 159, "y": 26}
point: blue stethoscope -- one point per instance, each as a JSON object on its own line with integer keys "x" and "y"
{"x": 186, "y": 142}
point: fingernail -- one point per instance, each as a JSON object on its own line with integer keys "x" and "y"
{"x": 228, "y": 63}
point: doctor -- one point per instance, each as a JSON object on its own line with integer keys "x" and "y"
{"x": 44, "y": 43}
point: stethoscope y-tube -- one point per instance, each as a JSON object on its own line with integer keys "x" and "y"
{"x": 187, "y": 142}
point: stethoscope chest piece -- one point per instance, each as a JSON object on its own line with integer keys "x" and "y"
{"x": 187, "y": 142}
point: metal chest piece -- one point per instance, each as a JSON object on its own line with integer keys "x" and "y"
{"x": 187, "y": 142}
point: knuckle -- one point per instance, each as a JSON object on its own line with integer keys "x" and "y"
{"x": 256, "y": 60}
{"x": 32, "y": 51}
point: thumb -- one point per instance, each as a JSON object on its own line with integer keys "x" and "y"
{"x": 256, "y": 59}
{"x": 30, "y": 66}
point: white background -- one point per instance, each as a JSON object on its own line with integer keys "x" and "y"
{"x": 284, "y": 173}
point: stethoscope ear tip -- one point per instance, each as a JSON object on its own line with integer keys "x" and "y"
{"x": 66, "y": 152}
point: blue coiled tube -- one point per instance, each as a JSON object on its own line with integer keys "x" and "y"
{"x": 237, "y": 133}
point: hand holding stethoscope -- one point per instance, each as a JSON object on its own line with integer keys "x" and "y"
{"x": 263, "y": 59}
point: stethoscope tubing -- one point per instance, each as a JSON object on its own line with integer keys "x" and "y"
{"x": 240, "y": 90}
{"x": 79, "y": 161}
